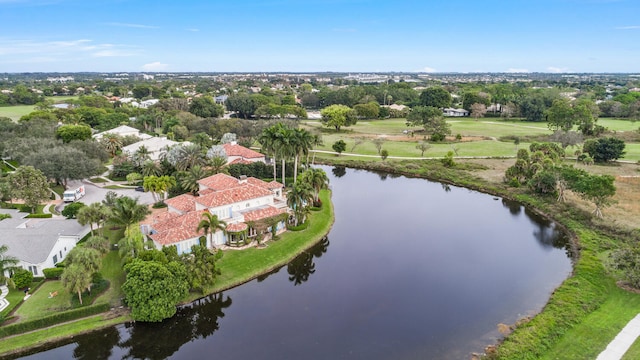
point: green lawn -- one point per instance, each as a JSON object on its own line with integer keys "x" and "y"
{"x": 634, "y": 351}
{"x": 618, "y": 124}
{"x": 112, "y": 270}
{"x": 39, "y": 304}
{"x": 14, "y": 297}
{"x": 15, "y": 112}
{"x": 65, "y": 330}
{"x": 240, "y": 266}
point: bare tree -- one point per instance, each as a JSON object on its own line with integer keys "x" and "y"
{"x": 478, "y": 110}
{"x": 423, "y": 146}
{"x": 358, "y": 140}
{"x": 378, "y": 143}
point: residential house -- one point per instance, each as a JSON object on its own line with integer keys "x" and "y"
{"x": 238, "y": 202}
{"x": 455, "y": 112}
{"x": 123, "y": 130}
{"x": 155, "y": 146}
{"x": 39, "y": 243}
{"x": 238, "y": 154}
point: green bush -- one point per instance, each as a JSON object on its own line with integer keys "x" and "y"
{"x": 70, "y": 211}
{"x": 39, "y": 216}
{"x": 22, "y": 278}
{"x": 5, "y": 216}
{"x": 299, "y": 227}
{"x": 53, "y": 319}
{"x": 53, "y": 273}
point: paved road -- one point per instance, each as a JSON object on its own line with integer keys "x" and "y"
{"x": 95, "y": 194}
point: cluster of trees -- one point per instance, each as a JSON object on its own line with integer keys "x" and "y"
{"x": 304, "y": 193}
{"x": 541, "y": 169}
{"x": 21, "y": 95}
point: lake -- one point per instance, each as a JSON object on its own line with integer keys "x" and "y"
{"x": 411, "y": 269}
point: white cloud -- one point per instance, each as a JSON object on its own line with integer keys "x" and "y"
{"x": 557, "y": 70}
{"x": 516, "y": 70}
{"x": 12, "y": 50}
{"x": 155, "y": 66}
{"x": 631, "y": 27}
{"x": 428, "y": 69}
{"x": 139, "y": 26}
{"x": 112, "y": 53}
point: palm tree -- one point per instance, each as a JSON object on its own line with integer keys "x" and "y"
{"x": 217, "y": 164}
{"x": 210, "y": 224}
{"x": 317, "y": 179}
{"x": 141, "y": 156}
{"x": 316, "y": 141}
{"x": 302, "y": 142}
{"x": 112, "y": 143}
{"x": 95, "y": 213}
{"x": 76, "y": 279}
{"x": 126, "y": 211}
{"x": 7, "y": 263}
{"x": 299, "y": 197}
{"x": 150, "y": 167}
{"x": 89, "y": 259}
{"x": 190, "y": 179}
{"x": 267, "y": 139}
{"x": 190, "y": 156}
{"x": 283, "y": 145}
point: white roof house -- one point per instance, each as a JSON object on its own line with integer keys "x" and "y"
{"x": 155, "y": 146}
{"x": 455, "y": 112}
{"x": 123, "y": 130}
{"x": 39, "y": 243}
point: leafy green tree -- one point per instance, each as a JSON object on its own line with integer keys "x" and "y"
{"x": 585, "y": 115}
{"x": 71, "y": 211}
{"x": 88, "y": 258}
{"x": 30, "y": 185}
{"x": 153, "y": 289}
{"x": 627, "y": 259}
{"x": 560, "y": 115}
{"x": 431, "y": 119}
{"x": 64, "y": 163}
{"x": 338, "y": 116}
{"x": 533, "y": 108}
{"x": 339, "y": 146}
{"x": 210, "y": 224}
{"x": 598, "y": 189}
{"x": 435, "y": 96}
{"x": 370, "y": 110}
{"x": 71, "y": 132}
{"x": 604, "y": 149}
{"x": 158, "y": 186}
{"x": 76, "y": 279}
{"x": 22, "y": 278}
{"x": 299, "y": 198}
{"x": 7, "y": 264}
{"x": 206, "y": 107}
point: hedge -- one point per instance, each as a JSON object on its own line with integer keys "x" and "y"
{"x": 57, "y": 318}
{"x": 299, "y": 227}
{"x": 53, "y": 273}
{"x": 39, "y": 216}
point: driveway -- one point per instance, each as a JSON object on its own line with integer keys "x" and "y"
{"x": 95, "y": 194}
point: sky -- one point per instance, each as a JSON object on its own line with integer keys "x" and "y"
{"x": 320, "y": 35}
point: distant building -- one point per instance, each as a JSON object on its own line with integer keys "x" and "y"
{"x": 155, "y": 146}
{"x": 455, "y": 112}
{"x": 239, "y": 154}
{"x": 123, "y": 130}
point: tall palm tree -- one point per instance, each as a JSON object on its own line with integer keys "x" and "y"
{"x": 190, "y": 156}
{"x": 210, "y": 224}
{"x": 217, "y": 164}
{"x": 283, "y": 145}
{"x": 299, "y": 197}
{"x": 150, "y": 167}
{"x": 7, "y": 263}
{"x": 126, "y": 211}
{"x": 317, "y": 179}
{"x": 112, "y": 143}
{"x": 189, "y": 180}
{"x": 75, "y": 279}
{"x": 95, "y": 213}
{"x": 141, "y": 155}
{"x": 267, "y": 140}
{"x": 315, "y": 142}
{"x": 302, "y": 140}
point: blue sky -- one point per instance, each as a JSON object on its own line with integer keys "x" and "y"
{"x": 320, "y": 35}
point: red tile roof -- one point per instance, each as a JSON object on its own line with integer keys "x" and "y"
{"x": 219, "y": 182}
{"x": 177, "y": 228}
{"x": 263, "y": 184}
{"x": 237, "y": 227}
{"x": 241, "y": 193}
{"x": 263, "y": 213}
{"x": 184, "y": 202}
{"x": 239, "y": 150}
{"x": 239, "y": 161}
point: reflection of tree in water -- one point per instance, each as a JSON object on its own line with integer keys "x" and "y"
{"x": 161, "y": 340}
{"x": 264, "y": 277}
{"x": 303, "y": 266}
{"x": 339, "y": 171}
{"x": 514, "y": 207}
{"x": 97, "y": 345}
{"x": 446, "y": 187}
{"x": 546, "y": 232}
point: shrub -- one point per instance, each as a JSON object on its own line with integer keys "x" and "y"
{"x": 22, "y": 278}
{"x": 384, "y": 154}
{"x": 604, "y": 149}
{"x": 53, "y": 273}
{"x": 299, "y": 227}
{"x": 70, "y": 211}
{"x": 5, "y": 216}
{"x": 39, "y": 216}
{"x": 53, "y": 319}
{"x": 448, "y": 160}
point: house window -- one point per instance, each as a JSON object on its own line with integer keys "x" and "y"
{"x": 60, "y": 254}
{"x": 34, "y": 270}
{"x": 55, "y": 259}
{"x": 248, "y": 204}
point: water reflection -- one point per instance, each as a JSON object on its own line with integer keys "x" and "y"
{"x": 302, "y": 266}
{"x": 514, "y": 207}
{"x": 161, "y": 340}
{"x": 339, "y": 171}
{"x": 446, "y": 187}
{"x": 98, "y": 346}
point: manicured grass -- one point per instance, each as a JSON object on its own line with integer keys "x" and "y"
{"x": 116, "y": 187}
{"x": 39, "y": 337}
{"x": 15, "y": 112}
{"x": 634, "y": 351}
{"x": 14, "y": 297}
{"x": 240, "y": 266}
{"x": 619, "y": 124}
{"x": 632, "y": 152}
{"x": 112, "y": 270}
{"x": 97, "y": 180}
{"x": 39, "y": 304}
{"x": 58, "y": 189}
{"x": 62, "y": 99}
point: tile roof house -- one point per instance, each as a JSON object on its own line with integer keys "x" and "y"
{"x": 240, "y": 154}
{"x": 237, "y": 202}
{"x": 39, "y": 243}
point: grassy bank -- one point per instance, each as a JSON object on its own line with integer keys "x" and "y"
{"x": 240, "y": 266}
{"x": 583, "y": 314}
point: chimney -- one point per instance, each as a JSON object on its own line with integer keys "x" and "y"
{"x": 243, "y": 179}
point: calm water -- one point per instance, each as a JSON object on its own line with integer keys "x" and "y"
{"x": 411, "y": 270}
